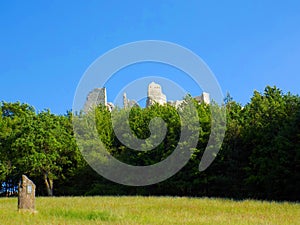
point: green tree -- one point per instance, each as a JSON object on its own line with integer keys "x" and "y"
{"x": 51, "y": 151}
{"x": 39, "y": 145}
{"x": 15, "y": 117}
{"x": 270, "y": 118}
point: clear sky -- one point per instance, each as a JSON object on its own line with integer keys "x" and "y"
{"x": 45, "y": 47}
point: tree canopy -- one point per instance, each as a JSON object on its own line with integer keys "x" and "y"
{"x": 259, "y": 157}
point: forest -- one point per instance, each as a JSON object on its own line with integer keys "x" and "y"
{"x": 259, "y": 157}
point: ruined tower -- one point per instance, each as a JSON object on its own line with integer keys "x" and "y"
{"x": 129, "y": 103}
{"x": 94, "y": 98}
{"x": 155, "y": 95}
{"x": 204, "y": 98}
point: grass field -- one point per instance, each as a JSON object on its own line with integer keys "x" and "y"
{"x": 149, "y": 210}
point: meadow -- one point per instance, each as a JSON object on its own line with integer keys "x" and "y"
{"x": 149, "y": 210}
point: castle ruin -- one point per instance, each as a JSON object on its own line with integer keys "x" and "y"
{"x": 96, "y": 97}
{"x": 154, "y": 95}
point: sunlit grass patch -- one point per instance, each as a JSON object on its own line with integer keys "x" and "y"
{"x": 149, "y": 210}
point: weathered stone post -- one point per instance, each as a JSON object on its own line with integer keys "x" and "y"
{"x": 26, "y": 195}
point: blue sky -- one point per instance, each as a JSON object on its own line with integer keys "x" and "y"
{"x": 45, "y": 47}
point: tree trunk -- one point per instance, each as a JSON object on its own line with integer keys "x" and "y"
{"x": 49, "y": 184}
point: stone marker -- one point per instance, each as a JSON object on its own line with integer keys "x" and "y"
{"x": 26, "y": 197}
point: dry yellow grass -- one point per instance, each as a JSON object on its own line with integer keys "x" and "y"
{"x": 149, "y": 210}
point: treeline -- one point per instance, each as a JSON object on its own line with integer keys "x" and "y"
{"x": 259, "y": 158}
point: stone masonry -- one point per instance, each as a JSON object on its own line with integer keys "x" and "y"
{"x": 94, "y": 98}
{"x": 205, "y": 98}
{"x": 129, "y": 103}
{"x": 155, "y": 95}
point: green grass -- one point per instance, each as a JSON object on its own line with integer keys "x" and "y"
{"x": 149, "y": 210}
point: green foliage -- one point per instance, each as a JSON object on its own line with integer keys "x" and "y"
{"x": 259, "y": 158}
{"x": 39, "y": 145}
{"x": 271, "y": 134}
